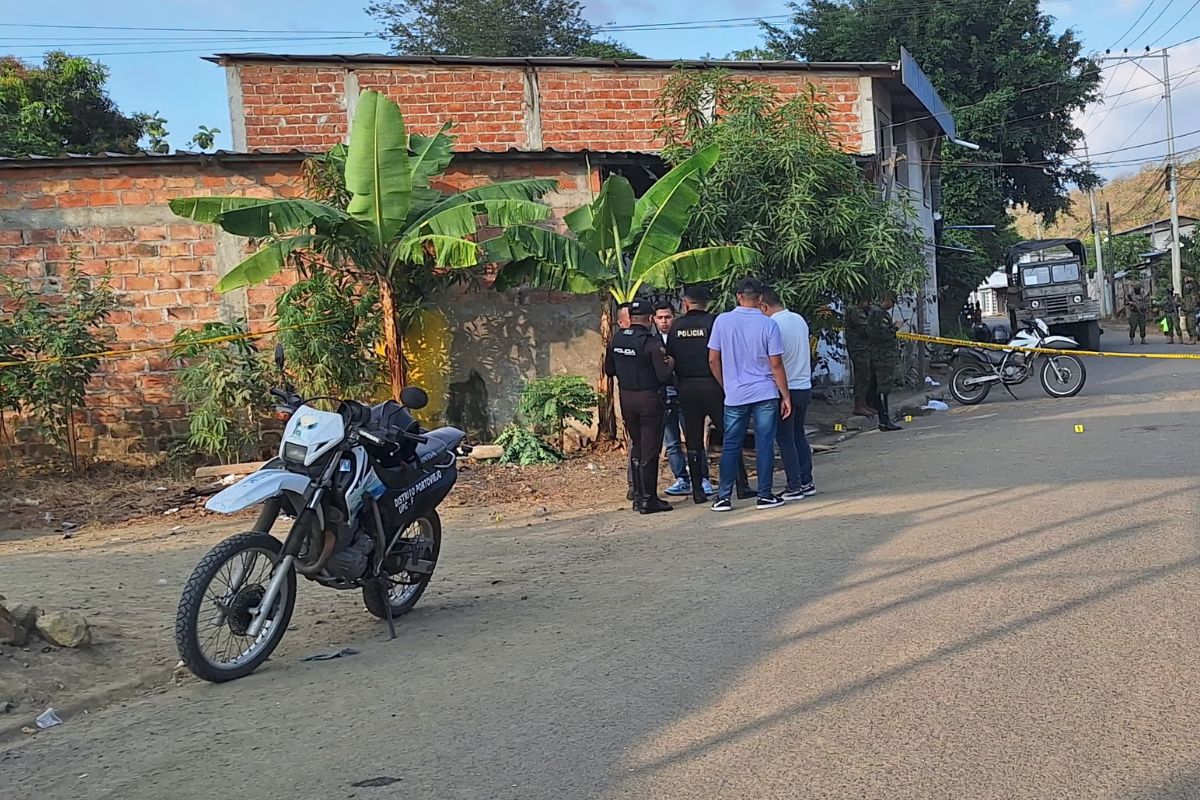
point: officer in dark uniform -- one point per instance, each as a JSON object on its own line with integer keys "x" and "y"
{"x": 700, "y": 396}
{"x": 638, "y": 360}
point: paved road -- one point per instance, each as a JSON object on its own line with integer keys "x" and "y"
{"x": 987, "y": 605}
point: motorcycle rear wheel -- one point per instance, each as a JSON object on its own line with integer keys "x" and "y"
{"x": 233, "y": 653}
{"x": 405, "y": 589}
{"x": 969, "y": 395}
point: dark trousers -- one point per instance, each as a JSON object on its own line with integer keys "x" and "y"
{"x": 701, "y": 400}
{"x": 794, "y": 450}
{"x": 644, "y": 411}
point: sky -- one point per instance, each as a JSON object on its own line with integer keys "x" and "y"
{"x": 163, "y": 70}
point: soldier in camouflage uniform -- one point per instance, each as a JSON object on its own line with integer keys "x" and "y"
{"x": 1188, "y": 306}
{"x": 884, "y": 352}
{"x": 1170, "y": 310}
{"x": 858, "y": 346}
{"x": 1137, "y": 311}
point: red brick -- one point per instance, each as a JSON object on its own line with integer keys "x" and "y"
{"x": 103, "y": 199}
{"x": 75, "y": 200}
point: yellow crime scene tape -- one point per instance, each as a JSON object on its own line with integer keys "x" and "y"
{"x": 234, "y": 337}
{"x": 919, "y": 337}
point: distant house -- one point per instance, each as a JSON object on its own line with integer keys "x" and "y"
{"x": 992, "y": 295}
{"x": 1159, "y": 232}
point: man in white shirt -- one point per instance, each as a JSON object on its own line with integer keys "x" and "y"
{"x": 793, "y": 444}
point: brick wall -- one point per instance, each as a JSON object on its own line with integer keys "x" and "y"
{"x": 116, "y": 220}
{"x": 494, "y": 108}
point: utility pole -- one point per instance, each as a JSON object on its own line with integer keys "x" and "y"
{"x": 1172, "y": 188}
{"x": 1105, "y": 302}
{"x": 1111, "y": 260}
{"x": 1176, "y": 259}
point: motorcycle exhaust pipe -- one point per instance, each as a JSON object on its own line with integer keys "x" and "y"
{"x": 314, "y": 568}
{"x": 984, "y": 379}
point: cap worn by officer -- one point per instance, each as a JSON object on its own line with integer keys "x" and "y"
{"x": 641, "y": 308}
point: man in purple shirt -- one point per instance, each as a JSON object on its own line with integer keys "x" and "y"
{"x": 746, "y": 357}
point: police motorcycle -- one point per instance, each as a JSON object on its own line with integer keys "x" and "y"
{"x": 361, "y": 485}
{"x": 977, "y": 369}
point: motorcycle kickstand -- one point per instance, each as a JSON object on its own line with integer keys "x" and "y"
{"x": 386, "y": 599}
{"x": 1010, "y": 391}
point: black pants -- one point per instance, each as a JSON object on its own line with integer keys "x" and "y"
{"x": 700, "y": 400}
{"x": 644, "y": 410}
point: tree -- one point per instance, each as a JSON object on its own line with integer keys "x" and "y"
{"x": 620, "y": 245}
{"x": 204, "y": 138}
{"x": 61, "y": 106}
{"x": 1013, "y": 84}
{"x": 408, "y": 238}
{"x": 783, "y": 189}
{"x": 492, "y": 28}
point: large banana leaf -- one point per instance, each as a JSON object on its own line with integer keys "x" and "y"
{"x": 430, "y": 155}
{"x": 553, "y": 277}
{"x": 263, "y": 264}
{"x": 461, "y": 220}
{"x": 377, "y": 167}
{"x": 696, "y": 266}
{"x": 657, "y": 195}
{"x": 527, "y": 189}
{"x": 449, "y": 252}
{"x": 666, "y": 220}
{"x": 550, "y": 247}
{"x": 256, "y": 218}
{"x": 611, "y": 215}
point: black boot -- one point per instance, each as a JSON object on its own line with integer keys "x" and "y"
{"x": 651, "y": 502}
{"x": 885, "y": 416}
{"x": 696, "y": 475}
{"x": 637, "y": 494}
{"x": 631, "y": 494}
{"x": 744, "y": 492}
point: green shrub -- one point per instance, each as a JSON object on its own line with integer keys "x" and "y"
{"x": 333, "y": 354}
{"x": 49, "y": 392}
{"x": 524, "y": 447}
{"x": 547, "y": 404}
{"x": 226, "y": 388}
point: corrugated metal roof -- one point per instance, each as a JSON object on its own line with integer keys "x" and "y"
{"x": 557, "y": 61}
{"x": 231, "y": 156}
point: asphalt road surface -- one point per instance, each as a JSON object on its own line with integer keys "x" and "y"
{"x": 987, "y": 605}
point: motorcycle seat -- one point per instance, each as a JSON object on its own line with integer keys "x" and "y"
{"x": 441, "y": 440}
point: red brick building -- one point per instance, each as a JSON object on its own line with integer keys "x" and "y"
{"x": 574, "y": 119}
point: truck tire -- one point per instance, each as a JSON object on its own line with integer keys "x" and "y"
{"x": 1089, "y": 338}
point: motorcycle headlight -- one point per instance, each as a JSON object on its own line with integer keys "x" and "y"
{"x": 294, "y": 452}
{"x": 1035, "y": 303}
{"x": 1077, "y": 298}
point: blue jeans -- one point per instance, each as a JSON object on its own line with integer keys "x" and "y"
{"x": 673, "y": 441}
{"x": 793, "y": 444}
{"x": 765, "y": 415}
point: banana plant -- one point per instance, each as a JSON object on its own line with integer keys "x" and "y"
{"x": 619, "y": 246}
{"x": 395, "y": 229}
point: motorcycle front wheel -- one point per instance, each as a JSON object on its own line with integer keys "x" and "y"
{"x": 969, "y": 394}
{"x": 1063, "y": 376}
{"x": 422, "y": 537}
{"x": 219, "y": 601}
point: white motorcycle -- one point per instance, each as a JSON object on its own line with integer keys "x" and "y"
{"x": 362, "y": 485}
{"x": 977, "y": 369}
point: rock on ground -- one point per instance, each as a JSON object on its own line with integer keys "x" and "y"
{"x": 25, "y": 615}
{"x": 11, "y": 632}
{"x": 65, "y": 628}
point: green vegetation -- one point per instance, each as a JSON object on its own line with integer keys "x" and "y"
{"x": 547, "y": 404}
{"x": 395, "y": 232}
{"x": 525, "y": 448}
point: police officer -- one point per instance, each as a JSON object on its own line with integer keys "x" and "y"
{"x": 639, "y": 361}
{"x": 700, "y": 396}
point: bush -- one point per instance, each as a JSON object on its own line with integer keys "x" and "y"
{"x": 333, "y": 354}
{"x": 49, "y": 392}
{"x": 226, "y": 388}
{"x": 522, "y": 446}
{"x": 547, "y": 403}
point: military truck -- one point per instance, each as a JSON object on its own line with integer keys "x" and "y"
{"x": 1047, "y": 280}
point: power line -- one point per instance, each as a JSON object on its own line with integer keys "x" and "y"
{"x": 1176, "y": 25}
{"x": 1133, "y": 24}
{"x": 1155, "y": 20}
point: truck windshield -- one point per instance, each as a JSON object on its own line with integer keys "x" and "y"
{"x": 1050, "y": 273}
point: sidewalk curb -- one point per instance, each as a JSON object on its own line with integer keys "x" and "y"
{"x": 10, "y": 728}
